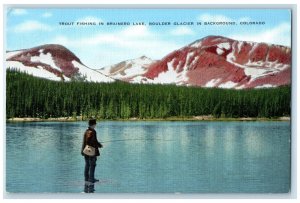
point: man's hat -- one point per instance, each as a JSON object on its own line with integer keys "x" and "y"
{"x": 92, "y": 122}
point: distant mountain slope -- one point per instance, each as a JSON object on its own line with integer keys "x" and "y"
{"x": 53, "y": 62}
{"x": 129, "y": 69}
{"x": 217, "y": 61}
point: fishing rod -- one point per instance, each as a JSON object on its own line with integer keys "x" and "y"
{"x": 123, "y": 140}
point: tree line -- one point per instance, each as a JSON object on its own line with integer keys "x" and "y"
{"x": 28, "y": 96}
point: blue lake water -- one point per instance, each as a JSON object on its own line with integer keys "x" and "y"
{"x": 151, "y": 157}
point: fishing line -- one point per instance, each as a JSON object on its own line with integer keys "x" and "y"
{"x": 133, "y": 140}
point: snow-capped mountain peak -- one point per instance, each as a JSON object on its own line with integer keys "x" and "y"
{"x": 126, "y": 70}
{"x": 217, "y": 61}
{"x": 54, "y": 62}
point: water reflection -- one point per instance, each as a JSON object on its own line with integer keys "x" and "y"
{"x": 184, "y": 137}
{"x": 162, "y": 136}
{"x": 209, "y": 138}
{"x": 253, "y": 143}
{"x": 89, "y": 187}
{"x": 229, "y": 141}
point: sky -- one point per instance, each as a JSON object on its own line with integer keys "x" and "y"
{"x": 102, "y": 45}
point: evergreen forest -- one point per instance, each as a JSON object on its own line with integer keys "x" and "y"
{"x": 28, "y": 96}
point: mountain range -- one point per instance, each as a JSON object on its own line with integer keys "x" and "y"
{"x": 213, "y": 61}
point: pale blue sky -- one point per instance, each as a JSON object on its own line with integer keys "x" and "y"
{"x": 98, "y": 46}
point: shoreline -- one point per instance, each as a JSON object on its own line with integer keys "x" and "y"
{"x": 194, "y": 118}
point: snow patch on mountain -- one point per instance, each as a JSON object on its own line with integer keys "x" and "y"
{"x": 128, "y": 70}
{"x": 213, "y": 82}
{"x": 137, "y": 66}
{"x": 196, "y": 44}
{"x": 264, "y": 86}
{"x": 254, "y": 69}
{"x": 224, "y": 45}
{"x": 90, "y": 74}
{"x": 195, "y": 60}
{"x": 141, "y": 80}
{"x": 231, "y": 57}
{"x": 34, "y": 71}
{"x": 240, "y": 44}
{"x": 167, "y": 77}
{"x": 228, "y": 85}
{"x": 173, "y": 75}
{"x": 220, "y": 51}
{"x": 254, "y": 73}
{"x": 254, "y": 47}
{"x": 11, "y": 53}
{"x": 46, "y": 59}
{"x": 189, "y": 56}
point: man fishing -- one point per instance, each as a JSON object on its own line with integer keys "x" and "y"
{"x": 90, "y": 151}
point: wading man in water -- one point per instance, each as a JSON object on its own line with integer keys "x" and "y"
{"x": 90, "y": 151}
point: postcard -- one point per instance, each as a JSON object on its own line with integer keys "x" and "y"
{"x": 148, "y": 101}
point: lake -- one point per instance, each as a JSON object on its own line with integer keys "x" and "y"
{"x": 151, "y": 157}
